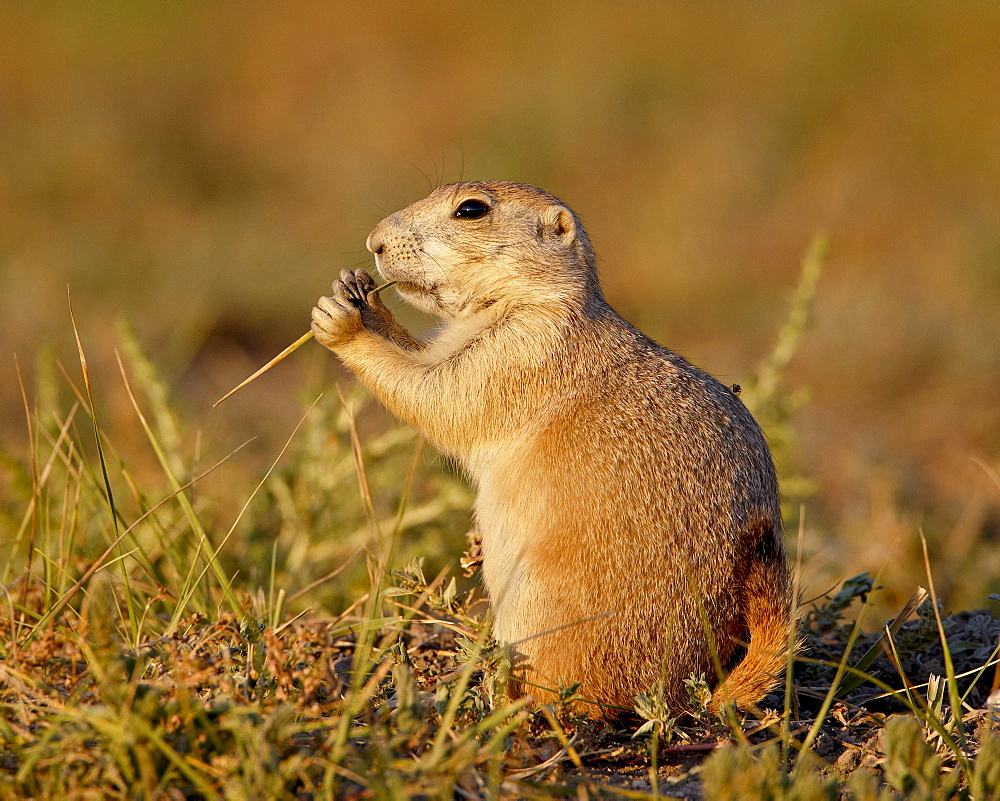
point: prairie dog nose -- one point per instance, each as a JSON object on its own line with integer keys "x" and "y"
{"x": 375, "y": 243}
{"x": 380, "y": 233}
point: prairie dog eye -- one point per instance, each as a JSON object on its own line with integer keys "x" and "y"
{"x": 471, "y": 209}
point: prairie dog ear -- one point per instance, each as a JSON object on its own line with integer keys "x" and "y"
{"x": 557, "y": 223}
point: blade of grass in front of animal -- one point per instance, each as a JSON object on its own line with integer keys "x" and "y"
{"x": 93, "y": 415}
{"x": 842, "y": 668}
{"x": 290, "y": 349}
{"x": 793, "y": 634}
{"x": 436, "y": 752}
{"x": 854, "y": 680}
{"x": 35, "y": 490}
{"x": 287, "y": 351}
{"x": 57, "y": 453}
{"x": 130, "y": 602}
{"x": 949, "y": 667}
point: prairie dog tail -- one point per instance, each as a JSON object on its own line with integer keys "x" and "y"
{"x": 767, "y": 601}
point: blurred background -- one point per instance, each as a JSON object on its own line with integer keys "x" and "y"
{"x": 200, "y": 172}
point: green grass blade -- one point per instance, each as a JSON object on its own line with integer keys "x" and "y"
{"x": 853, "y": 681}
{"x": 129, "y": 599}
{"x": 954, "y": 696}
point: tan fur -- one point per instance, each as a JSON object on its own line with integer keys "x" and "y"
{"x": 627, "y": 501}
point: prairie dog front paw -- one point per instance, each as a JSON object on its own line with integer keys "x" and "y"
{"x": 353, "y": 306}
{"x": 355, "y": 287}
{"x": 337, "y": 319}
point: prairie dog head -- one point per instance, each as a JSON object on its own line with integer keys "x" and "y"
{"x": 469, "y": 246}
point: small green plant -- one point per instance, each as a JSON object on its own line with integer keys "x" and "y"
{"x": 828, "y": 615}
{"x": 656, "y": 715}
{"x": 911, "y": 765}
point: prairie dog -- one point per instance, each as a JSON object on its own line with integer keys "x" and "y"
{"x": 627, "y": 501}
